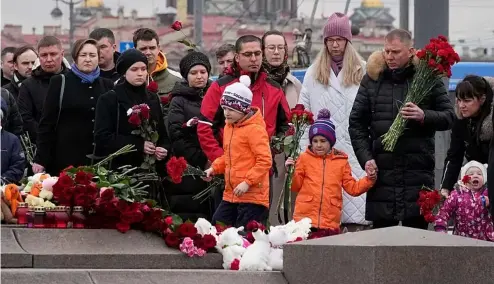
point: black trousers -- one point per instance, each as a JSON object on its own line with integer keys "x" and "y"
{"x": 414, "y": 222}
{"x": 239, "y": 214}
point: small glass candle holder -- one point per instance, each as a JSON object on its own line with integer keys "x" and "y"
{"x": 61, "y": 217}
{"x": 50, "y": 218}
{"x": 30, "y": 217}
{"x": 78, "y": 218}
{"x": 21, "y": 213}
{"x": 39, "y": 217}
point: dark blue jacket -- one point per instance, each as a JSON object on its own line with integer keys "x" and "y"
{"x": 13, "y": 160}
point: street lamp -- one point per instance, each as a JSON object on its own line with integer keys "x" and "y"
{"x": 56, "y": 13}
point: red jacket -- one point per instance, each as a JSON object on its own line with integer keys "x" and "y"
{"x": 268, "y": 96}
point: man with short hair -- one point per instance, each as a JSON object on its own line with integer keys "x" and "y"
{"x": 268, "y": 96}
{"x": 7, "y": 65}
{"x": 34, "y": 89}
{"x": 24, "y": 59}
{"x": 225, "y": 56}
{"x": 403, "y": 172}
{"x": 147, "y": 41}
{"x": 108, "y": 53}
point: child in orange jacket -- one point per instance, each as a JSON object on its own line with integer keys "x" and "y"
{"x": 246, "y": 160}
{"x": 320, "y": 173}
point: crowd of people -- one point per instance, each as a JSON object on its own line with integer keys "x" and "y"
{"x": 76, "y": 112}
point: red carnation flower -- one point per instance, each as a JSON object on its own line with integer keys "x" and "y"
{"x": 172, "y": 240}
{"x": 177, "y": 26}
{"x": 134, "y": 119}
{"x": 187, "y": 230}
{"x": 144, "y": 111}
{"x": 235, "y": 265}
{"x": 252, "y": 225}
{"x": 83, "y": 178}
{"x": 176, "y": 168}
{"x": 466, "y": 179}
{"x": 209, "y": 242}
{"x": 299, "y": 107}
{"x": 165, "y": 99}
{"x": 123, "y": 227}
{"x": 169, "y": 220}
{"x": 152, "y": 87}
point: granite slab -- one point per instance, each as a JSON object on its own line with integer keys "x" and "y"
{"x": 145, "y": 276}
{"x": 390, "y": 255}
{"x": 42, "y": 276}
{"x": 106, "y": 249}
{"x": 13, "y": 255}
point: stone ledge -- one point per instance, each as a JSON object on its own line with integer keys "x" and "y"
{"x": 147, "y": 276}
{"x": 392, "y": 255}
{"x": 13, "y": 255}
{"x": 72, "y": 248}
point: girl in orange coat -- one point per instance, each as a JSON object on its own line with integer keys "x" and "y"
{"x": 246, "y": 159}
{"x": 320, "y": 173}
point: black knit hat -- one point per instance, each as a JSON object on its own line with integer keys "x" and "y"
{"x": 128, "y": 58}
{"x": 192, "y": 59}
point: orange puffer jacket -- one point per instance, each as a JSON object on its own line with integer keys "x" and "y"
{"x": 246, "y": 157}
{"x": 318, "y": 181}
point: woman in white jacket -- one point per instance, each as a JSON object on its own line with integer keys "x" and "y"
{"x": 332, "y": 82}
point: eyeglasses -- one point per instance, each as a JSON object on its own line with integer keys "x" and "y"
{"x": 250, "y": 53}
{"x": 339, "y": 41}
{"x": 273, "y": 48}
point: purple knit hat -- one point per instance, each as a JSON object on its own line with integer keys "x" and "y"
{"x": 323, "y": 126}
{"x": 338, "y": 25}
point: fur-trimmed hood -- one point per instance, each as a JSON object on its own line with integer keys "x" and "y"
{"x": 376, "y": 64}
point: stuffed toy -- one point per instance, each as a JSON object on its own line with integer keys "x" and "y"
{"x": 230, "y": 245}
{"x": 277, "y": 237}
{"x": 204, "y": 227}
{"x": 10, "y": 200}
{"x": 298, "y": 230}
{"x": 256, "y": 256}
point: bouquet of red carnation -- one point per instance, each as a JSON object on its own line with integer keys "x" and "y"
{"x": 435, "y": 62}
{"x": 300, "y": 119}
{"x": 429, "y": 200}
{"x": 321, "y": 233}
{"x": 139, "y": 117}
{"x": 178, "y": 168}
{"x": 75, "y": 187}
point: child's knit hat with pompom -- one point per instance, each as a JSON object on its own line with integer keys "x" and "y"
{"x": 238, "y": 96}
{"x": 323, "y": 126}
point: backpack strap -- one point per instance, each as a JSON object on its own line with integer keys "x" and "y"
{"x": 62, "y": 90}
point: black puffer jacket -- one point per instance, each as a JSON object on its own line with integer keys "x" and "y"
{"x": 12, "y": 121}
{"x": 186, "y": 104}
{"x": 464, "y": 144}
{"x": 403, "y": 172}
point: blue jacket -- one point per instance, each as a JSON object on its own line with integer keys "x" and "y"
{"x": 13, "y": 159}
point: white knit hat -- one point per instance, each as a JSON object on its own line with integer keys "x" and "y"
{"x": 238, "y": 96}
{"x": 483, "y": 169}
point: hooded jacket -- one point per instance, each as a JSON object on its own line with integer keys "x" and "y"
{"x": 247, "y": 157}
{"x": 268, "y": 96}
{"x": 164, "y": 76}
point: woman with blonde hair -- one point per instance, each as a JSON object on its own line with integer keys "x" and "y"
{"x": 332, "y": 82}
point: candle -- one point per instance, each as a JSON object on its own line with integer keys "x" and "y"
{"x": 21, "y": 213}
{"x": 78, "y": 218}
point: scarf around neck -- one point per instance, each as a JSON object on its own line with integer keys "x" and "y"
{"x": 85, "y": 77}
{"x": 337, "y": 64}
{"x": 277, "y": 73}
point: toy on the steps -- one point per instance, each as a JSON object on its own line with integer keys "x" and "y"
{"x": 277, "y": 237}
{"x": 204, "y": 227}
{"x": 10, "y": 200}
{"x": 230, "y": 245}
{"x": 298, "y": 230}
{"x": 256, "y": 256}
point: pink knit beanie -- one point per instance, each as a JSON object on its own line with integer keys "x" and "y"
{"x": 338, "y": 25}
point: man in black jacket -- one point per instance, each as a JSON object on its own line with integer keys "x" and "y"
{"x": 403, "y": 172}
{"x": 33, "y": 90}
{"x": 108, "y": 53}
{"x": 12, "y": 121}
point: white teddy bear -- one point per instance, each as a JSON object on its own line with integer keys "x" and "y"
{"x": 277, "y": 237}
{"x": 256, "y": 256}
{"x": 229, "y": 244}
{"x": 204, "y": 227}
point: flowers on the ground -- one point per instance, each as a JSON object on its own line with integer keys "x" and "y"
{"x": 428, "y": 201}
{"x": 434, "y": 62}
{"x": 186, "y": 237}
{"x": 75, "y": 187}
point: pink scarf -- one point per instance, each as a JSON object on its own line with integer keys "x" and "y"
{"x": 336, "y": 64}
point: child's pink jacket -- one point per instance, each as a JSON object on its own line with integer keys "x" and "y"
{"x": 471, "y": 217}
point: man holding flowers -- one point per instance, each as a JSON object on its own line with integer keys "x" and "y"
{"x": 404, "y": 170}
